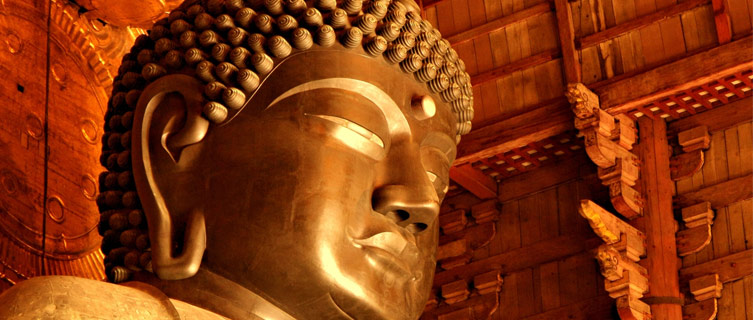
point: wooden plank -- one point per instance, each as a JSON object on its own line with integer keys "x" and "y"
{"x": 522, "y": 258}
{"x": 739, "y": 18}
{"x": 498, "y": 24}
{"x": 550, "y": 290}
{"x": 730, "y": 268}
{"x": 525, "y": 292}
{"x": 509, "y": 230}
{"x": 736, "y": 228}
{"x": 672, "y": 37}
{"x": 745, "y": 136}
{"x": 721, "y": 194}
{"x": 623, "y": 95}
{"x": 720, "y": 118}
{"x": 474, "y": 181}
{"x": 748, "y": 286}
{"x": 720, "y": 234}
{"x": 530, "y": 224}
{"x": 658, "y": 221}
{"x": 570, "y": 58}
{"x": 747, "y": 207}
{"x": 509, "y": 298}
{"x": 718, "y": 160}
{"x": 547, "y": 208}
{"x": 568, "y": 281}
{"x": 639, "y": 22}
{"x": 520, "y": 65}
{"x": 732, "y": 145}
{"x": 547, "y": 120}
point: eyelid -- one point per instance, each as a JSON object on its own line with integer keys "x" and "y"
{"x": 366, "y": 133}
{"x": 353, "y": 136}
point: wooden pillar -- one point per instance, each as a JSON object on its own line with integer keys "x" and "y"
{"x": 658, "y": 221}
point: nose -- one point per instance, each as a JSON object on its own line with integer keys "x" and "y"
{"x": 406, "y": 196}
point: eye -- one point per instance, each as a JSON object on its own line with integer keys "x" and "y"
{"x": 353, "y": 127}
{"x": 351, "y": 135}
{"x": 437, "y": 169}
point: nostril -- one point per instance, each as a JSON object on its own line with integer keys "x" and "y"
{"x": 416, "y": 227}
{"x": 398, "y": 215}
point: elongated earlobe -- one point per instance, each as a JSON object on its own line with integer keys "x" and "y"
{"x": 168, "y": 119}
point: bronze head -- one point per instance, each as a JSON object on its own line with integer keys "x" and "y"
{"x": 300, "y": 150}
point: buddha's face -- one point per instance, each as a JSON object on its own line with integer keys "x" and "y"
{"x": 322, "y": 194}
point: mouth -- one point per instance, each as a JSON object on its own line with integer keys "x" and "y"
{"x": 391, "y": 252}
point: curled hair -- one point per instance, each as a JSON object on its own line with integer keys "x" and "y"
{"x": 231, "y": 46}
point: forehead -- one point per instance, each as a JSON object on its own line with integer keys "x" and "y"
{"x": 369, "y": 77}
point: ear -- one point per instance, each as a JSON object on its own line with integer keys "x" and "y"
{"x": 166, "y": 120}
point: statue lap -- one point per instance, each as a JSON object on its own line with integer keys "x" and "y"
{"x": 66, "y": 297}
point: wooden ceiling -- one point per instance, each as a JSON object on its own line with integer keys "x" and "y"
{"x": 655, "y": 58}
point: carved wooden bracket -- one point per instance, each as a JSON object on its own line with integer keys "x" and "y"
{"x": 609, "y": 140}
{"x": 455, "y": 292}
{"x": 697, "y": 235}
{"x": 463, "y": 233}
{"x": 454, "y": 254}
{"x": 625, "y": 280}
{"x": 486, "y": 283}
{"x": 704, "y": 310}
{"x": 628, "y": 240}
{"x": 486, "y": 211}
{"x": 706, "y": 289}
{"x": 452, "y": 222}
{"x": 693, "y": 142}
{"x": 462, "y": 299}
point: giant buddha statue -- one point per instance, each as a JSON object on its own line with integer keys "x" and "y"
{"x": 274, "y": 160}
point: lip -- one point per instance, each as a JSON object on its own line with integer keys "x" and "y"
{"x": 392, "y": 251}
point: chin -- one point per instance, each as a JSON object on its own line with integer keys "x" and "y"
{"x": 405, "y": 300}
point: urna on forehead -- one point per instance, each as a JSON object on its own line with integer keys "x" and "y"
{"x": 233, "y": 45}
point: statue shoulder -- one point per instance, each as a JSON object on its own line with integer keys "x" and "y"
{"x": 66, "y": 297}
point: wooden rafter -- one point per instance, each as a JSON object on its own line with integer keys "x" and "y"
{"x": 627, "y": 94}
{"x": 522, "y": 258}
{"x": 729, "y": 268}
{"x": 570, "y": 58}
{"x": 724, "y": 117}
{"x": 721, "y": 194}
{"x": 545, "y": 121}
{"x": 639, "y": 22}
{"x": 474, "y": 181}
{"x": 500, "y": 23}
{"x": 522, "y": 64}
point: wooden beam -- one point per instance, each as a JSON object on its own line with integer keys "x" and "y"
{"x": 599, "y": 307}
{"x": 699, "y": 69}
{"x": 720, "y": 118}
{"x": 519, "y": 65}
{"x": 578, "y": 167}
{"x": 729, "y": 268}
{"x": 639, "y": 22}
{"x": 719, "y": 195}
{"x": 474, "y": 181}
{"x": 570, "y": 58}
{"x": 721, "y": 19}
{"x": 514, "y": 260}
{"x": 658, "y": 221}
{"x": 498, "y": 24}
{"x": 548, "y": 119}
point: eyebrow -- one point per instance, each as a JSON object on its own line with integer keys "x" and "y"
{"x": 396, "y": 121}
